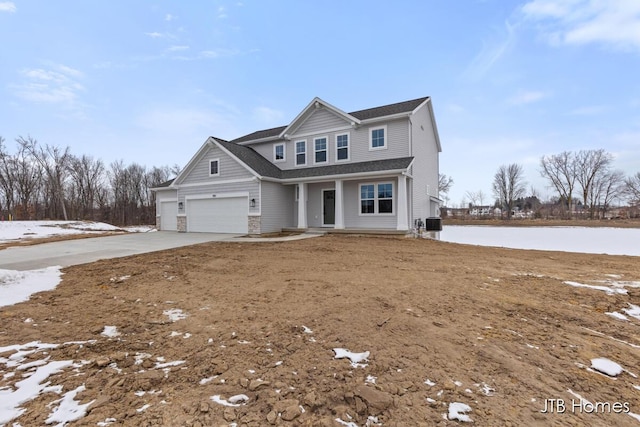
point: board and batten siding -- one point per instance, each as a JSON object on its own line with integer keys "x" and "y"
{"x": 397, "y": 140}
{"x": 425, "y": 177}
{"x": 277, "y": 200}
{"x": 229, "y": 168}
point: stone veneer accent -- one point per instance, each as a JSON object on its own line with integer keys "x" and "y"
{"x": 182, "y": 224}
{"x": 254, "y": 224}
{"x": 158, "y": 222}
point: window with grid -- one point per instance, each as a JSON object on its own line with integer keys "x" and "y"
{"x": 301, "y": 153}
{"x": 342, "y": 147}
{"x": 320, "y": 150}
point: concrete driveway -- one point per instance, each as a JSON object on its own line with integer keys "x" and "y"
{"x": 74, "y": 252}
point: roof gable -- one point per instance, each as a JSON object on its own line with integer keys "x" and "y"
{"x": 309, "y": 110}
{"x": 356, "y": 117}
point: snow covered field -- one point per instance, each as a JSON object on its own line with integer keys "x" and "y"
{"x": 592, "y": 240}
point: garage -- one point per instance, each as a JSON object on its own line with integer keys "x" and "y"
{"x": 169, "y": 216}
{"x": 219, "y": 215}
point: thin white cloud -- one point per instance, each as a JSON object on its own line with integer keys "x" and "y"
{"x": 188, "y": 121}
{"x": 491, "y": 53}
{"x": 268, "y": 115}
{"x": 7, "y": 6}
{"x": 155, "y": 35}
{"x": 177, "y": 48}
{"x": 527, "y": 97}
{"x": 169, "y": 17}
{"x": 589, "y": 110}
{"x": 57, "y": 85}
{"x": 613, "y": 23}
{"x": 222, "y": 12}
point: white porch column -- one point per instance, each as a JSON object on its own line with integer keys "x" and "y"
{"x": 401, "y": 202}
{"x": 339, "y": 212}
{"x": 302, "y": 205}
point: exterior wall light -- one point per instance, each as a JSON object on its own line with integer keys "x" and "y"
{"x": 253, "y": 203}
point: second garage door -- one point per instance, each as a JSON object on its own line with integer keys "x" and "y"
{"x": 223, "y": 215}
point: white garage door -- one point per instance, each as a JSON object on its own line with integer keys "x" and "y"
{"x": 224, "y": 215}
{"x": 168, "y": 216}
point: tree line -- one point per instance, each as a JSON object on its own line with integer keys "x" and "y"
{"x": 584, "y": 178}
{"x": 49, "y": 182}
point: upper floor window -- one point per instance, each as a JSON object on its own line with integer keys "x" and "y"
{"x": 278, "y": 153}
{"x": 301, "y": 153}
{"x": 342, "y": 147}
{"x": 320, "y": 150}
{"x": 214, "y": 167}
{"x": 378, "y": 138}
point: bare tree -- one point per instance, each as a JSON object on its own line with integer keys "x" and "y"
{"x": 88, "y": 180}
{"x": 444, "y": 183}
{"x": 632, "y": 189}
{"x": 509, "y": 185}
{"x": 53, "y": 160}
{"x": 605, "y": 188}
{"x": 591, "y": 166}
{"x": 560, "y": 170}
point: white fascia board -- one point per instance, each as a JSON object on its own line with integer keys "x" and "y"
{"x": 381, "y": 174}
{"x": 433, "y": 124}
{"x": 316, "y": 102}
{"x": 221, "y": 182}
{"x": 164, "y": 188}
{"x": 255, "y": 141}
{"x": 240, "y": 162}
{"x": 422, "y": 104}
{"x": 191, "y": 163}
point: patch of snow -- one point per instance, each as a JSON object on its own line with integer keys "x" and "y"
{"x": 429, "y": 382}
{"x": 606, "y": 366}
{"x": 614, "y": 276}
{"x": 598, "y": 240}
{"x": 175, "y": 314}
{"x": 306, "y": 330}
{"x": 458, "y": 383}
{"x": 617, "y": 315}
{"x": 278, "y": 363}
{"x": 608, "y": 290}
{"x": 238, "y": 400}
{"x": 143, "y": 408}
{"x": 372, "y": 421}
{"x": 371, "y": 379}
{"x": 486, "y": 389}
{"x": 110, "y": 331}
{"x": 430, "y": 400}
{"x": 106, "y": 422}
{"x": 458, "y": 411}
{"x": 633, "y": 311}
{"x": 18, "y": 286}
{"x": 244, "y": 342}
{"x": 28, "y": 389}
{"x": 346, "y": 423}
{"x": 206, "y": 380}
{"x": 68, "y": 409}
{"x": 355, "y": 358}
{"x": 168, "y": 364}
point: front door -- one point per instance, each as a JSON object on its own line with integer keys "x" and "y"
{"x": 328, "y": 207}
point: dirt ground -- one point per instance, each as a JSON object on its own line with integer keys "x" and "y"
{"x": 496, "y": 329}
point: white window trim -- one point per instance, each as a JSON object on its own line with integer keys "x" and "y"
{"x": 375, "y": 199}
{"x": 326, "y": 138}
{"x": 211, "y": 161}
{"x": 284, "y": 152}
{"x": 348, "y": 146}
{"x": 306, "y": 153}
{"x": 386, "y": 138}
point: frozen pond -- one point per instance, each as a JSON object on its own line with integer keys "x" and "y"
{"x": 592, "y": 240}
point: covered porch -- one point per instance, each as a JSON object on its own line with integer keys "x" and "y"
{"x": 369, "y": 204}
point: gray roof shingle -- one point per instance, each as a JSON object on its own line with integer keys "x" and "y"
{"x": 369, "y": 113}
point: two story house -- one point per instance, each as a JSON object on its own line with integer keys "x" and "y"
{"x": 369, "y": 169}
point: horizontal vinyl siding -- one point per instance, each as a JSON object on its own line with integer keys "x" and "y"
{"x": 397, "y": 140}
{"x": 209, "y": 190}
{"x": 229, "y": 168}
{"x": 277, "y": 206}
{"x": 425, "y": 172}
{"x": 321, "y": 119}
{"x": 314, "y": 202}
{"x": 352, "y": 218}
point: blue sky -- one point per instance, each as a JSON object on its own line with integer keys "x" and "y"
{"x": 149, "y": 81}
